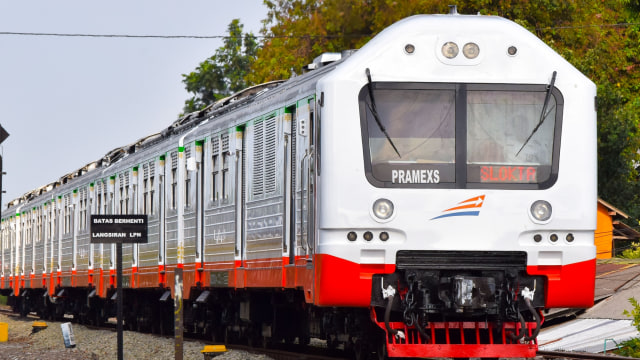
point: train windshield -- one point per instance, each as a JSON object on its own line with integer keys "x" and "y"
{"x": 464, "y": 136}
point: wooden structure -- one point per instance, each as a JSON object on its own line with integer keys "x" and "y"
{"x": 612, "y": 235}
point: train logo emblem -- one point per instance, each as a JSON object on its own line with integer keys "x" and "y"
{"x": 469, "y": 207}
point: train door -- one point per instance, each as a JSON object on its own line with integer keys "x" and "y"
{"x": 305, "y": 177}
{"x": 241, "y": 195}
{"x": 289, "y": 234}
{"x": 200, "y": 170}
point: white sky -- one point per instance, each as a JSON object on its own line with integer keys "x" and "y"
{"x": 67, "y": 101}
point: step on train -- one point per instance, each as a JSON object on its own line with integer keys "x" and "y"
{"x": 427, "y": 195}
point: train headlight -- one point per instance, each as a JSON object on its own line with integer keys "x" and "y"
{"x": 541, "y": 211}
{"x": 471, "y": 50}
{"x": 383, "y": 209}
{"x": 450, "y": 50}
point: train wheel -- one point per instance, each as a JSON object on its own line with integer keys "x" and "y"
{"x": 359, "y": 352}
{"x": 332, "y": 342}
{"x": 24, "y": 308}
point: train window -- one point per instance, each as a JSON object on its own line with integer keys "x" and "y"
{"x": 145, "y": 195}
{"x": 82, "y": 224}
{"x": 460, "y": 135}
{"x": 126, "y": 199}
{"x": 67, "y": 215}
{"x": 214, "y": 177}
{"x": 502, "y": 145}
{"x": 174, "y": 184}
{"x": 224, "y": 139}
{"x": 215, "y": 170}
{"x": 147, "y": 188}
{"x": 411, "y": 135}
{"x": 151, "y": 195}
{"x": 187, "y": 191}
{"x": 225, "y": 174}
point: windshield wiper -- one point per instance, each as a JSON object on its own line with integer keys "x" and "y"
{"x": 374, "y": 111}
{"x": 544, "y": 113}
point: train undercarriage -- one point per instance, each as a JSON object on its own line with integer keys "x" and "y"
{"x": 257, "y": 317}
{"x": 442, "y": 311}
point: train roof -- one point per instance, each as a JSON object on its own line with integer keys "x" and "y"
{"x": 233, "y": 103}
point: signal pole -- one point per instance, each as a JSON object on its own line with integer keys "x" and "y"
{"x": 3, "y": 136}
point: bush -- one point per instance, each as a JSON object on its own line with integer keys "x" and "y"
{"x": 632, "y": 347}
{"x": 633, "y": 252}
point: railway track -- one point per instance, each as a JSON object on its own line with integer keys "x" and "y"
{"x": 296, "y": 352}
{"x": 276, "y": 352}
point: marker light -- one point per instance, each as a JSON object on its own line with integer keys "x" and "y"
{"x": 383, "y": 209}
{"x": 541, "y": 210}
{"x": 450, "y": 50}
{"x": 471, "y": 50}
{"x": 384, "y": 236}
{"x": 570, "y": 237}
{"x": 352, "y": 236}
{"x": 368, "y": 236}
{"x": 409, "y": 48}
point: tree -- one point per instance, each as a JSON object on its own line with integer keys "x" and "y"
{"x": 223, "y": 73}
{"x": 599, "y": 37}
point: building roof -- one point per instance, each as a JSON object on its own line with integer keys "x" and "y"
{"x": 604, "y": 325}
{"x": 587, "y": 335}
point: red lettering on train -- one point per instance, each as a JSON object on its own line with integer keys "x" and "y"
{"x": 508, "y": 174}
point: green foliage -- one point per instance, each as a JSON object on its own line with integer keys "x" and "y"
{"x": 223, "y": 73}
{"x": 632, "y": 253}
{"x": 632, "y": 347}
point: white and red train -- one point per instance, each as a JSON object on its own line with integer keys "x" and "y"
{"x": 427, "y": 195}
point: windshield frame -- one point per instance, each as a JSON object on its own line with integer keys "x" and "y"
{"x": 460, "y": 122}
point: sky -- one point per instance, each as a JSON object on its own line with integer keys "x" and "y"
{"x": 67, "y": 101}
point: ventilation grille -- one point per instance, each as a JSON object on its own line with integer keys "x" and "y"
{"x": 215, "y": 145}
{"x": 124, "y": 179}
{"x": 225, "y": 142}
{"x": 258, "y": 158}
{"x": 264, "y": 157}
{"x": 174, "y": 159}
{"x": 270, "y": 156}
{"x": 461, "y": 260}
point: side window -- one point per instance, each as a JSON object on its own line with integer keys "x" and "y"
{"x": 215, "y": 167}
{"x": 145, "y": 195}
{"x": 147, "y": 188}
{"x": 151, "y": 195}
{"x": 174, "y": 178}
{"x": 67, "y": 214}
{"x": 225, "y": 166}
{"x": 82, "y": 203}
{"x": 187, "y": 178}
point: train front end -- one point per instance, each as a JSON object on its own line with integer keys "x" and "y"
{"x": 456, "y": 186}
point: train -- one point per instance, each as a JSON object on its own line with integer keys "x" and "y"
{"x": 427, "y": 195}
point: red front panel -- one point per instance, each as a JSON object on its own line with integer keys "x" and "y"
{"x": 569, "y": 285}
{"x": 344, "y": 283}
